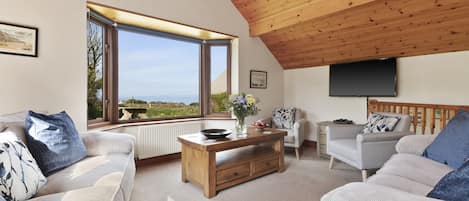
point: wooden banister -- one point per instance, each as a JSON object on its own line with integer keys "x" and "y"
{"x": 418, "y": 112}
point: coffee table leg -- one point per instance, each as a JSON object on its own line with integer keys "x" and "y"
{"x": 209, "y": 180}
{"x": 278, "y": 146}
{"x": 184, "y": 164}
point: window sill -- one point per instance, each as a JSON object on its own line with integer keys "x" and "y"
{"x": 105, "y": 126}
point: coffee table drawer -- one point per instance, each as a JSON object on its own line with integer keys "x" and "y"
{"x": 233, "y": 173}
{"x": 266, "y": 165}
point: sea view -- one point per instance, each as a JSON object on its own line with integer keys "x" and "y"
{"x": 170, "y": 99}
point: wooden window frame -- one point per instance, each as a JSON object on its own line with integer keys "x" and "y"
{"x": 207, "y": 77}
{"x": 111, "y": 70}
{"x": 107, "y": 40}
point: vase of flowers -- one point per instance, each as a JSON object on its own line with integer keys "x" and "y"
{"x": 242, "y": 105}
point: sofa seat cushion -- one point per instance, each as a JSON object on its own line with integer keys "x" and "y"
{"x": 100, "y": 193}
{"x": 344, "y": 147}
{"x": 400, "y": 183}
{"x": 370, "y": 192}
{"x": 103, "y": 170}
{"x": 415, "y": 168}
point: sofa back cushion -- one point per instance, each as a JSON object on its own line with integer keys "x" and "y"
{"x": 451, "y": 146}
{"x": 454, "y": 186}
{"x": 53, "y": 140}
{"x": 20, "y": 176}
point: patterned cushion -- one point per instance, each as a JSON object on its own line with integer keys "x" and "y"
{"x": 20, "y": 176}
{"x": 283, "y": 117}
{"x": 378, "y": 123}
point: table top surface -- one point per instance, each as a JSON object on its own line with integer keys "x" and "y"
{"x": 199, "y": 141}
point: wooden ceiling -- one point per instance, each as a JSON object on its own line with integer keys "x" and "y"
{"x": 308, "y": 33}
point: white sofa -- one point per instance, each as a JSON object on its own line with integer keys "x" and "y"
{"x": 406, "y": 176}
{"x": 106, "y": 174}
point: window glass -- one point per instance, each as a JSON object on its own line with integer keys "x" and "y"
{"x": 158, "y": 77}
{"x": 95, "y": 71}
{"x": 218, "y": 78}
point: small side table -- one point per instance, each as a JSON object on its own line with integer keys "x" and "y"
{"x": 321, "y": 146}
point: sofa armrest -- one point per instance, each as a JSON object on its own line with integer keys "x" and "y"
{"x": 414, "y": 144}
{"x": 380, "y": 137}
{"x": 343, "y": 131}
{"x": 102, "y": 143}
{"x": 299, "y": 127}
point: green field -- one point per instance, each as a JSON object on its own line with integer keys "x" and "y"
{"x": 138, "y": 109}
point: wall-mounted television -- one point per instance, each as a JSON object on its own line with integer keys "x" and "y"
{"x": 375, "y": 78}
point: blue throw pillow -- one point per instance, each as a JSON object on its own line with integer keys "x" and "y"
{"x": 53, "y": 140}
{"x": 454, "y": 186}
{"x": 451, "y": 146}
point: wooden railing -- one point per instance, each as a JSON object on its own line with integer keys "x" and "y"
{"x": 426, "y": 118}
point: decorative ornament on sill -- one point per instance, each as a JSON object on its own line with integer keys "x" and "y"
{"x": 242, "y": 106}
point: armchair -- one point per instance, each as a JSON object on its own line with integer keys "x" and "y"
{"x": 295, "y": 137}
{"x": 365, "y": 151}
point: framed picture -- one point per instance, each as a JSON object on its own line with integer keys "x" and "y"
{"x": 258, "y": 79}
{"x": 18, "y": 40}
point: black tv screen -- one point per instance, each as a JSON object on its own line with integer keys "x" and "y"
{"x": 365, "y": 78}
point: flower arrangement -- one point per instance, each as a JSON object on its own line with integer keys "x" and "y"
{"x": 242, "y": 105}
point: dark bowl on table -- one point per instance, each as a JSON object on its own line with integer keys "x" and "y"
{"x": 215, "y": 133}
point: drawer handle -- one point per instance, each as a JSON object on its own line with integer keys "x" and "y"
{"x": 267, "y": 164}
{"x": 235, "y": 174}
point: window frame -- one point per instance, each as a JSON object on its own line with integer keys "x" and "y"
{"x": 105, "y": 68}
{"x": 209, "y": 45}
{"x": 111, "y": 70}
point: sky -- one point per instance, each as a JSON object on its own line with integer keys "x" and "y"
{"x": 154, "y": 66}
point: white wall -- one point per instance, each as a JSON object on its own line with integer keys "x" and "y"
{"x": 438, "y": 78}
{"x": 56, "y": 80}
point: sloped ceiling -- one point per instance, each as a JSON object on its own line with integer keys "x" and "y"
{"x": 308, "y": 33}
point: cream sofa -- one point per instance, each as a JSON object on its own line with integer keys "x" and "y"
{"x": 106, "y": 174}
{"x": 406, "y": 176}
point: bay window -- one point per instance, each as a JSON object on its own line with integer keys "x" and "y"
{"x": 153, "y": 75}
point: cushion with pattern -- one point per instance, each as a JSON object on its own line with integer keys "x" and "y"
{"x": 283, "y": 118}
{"x": 20, "y": 176}
{"x": 378, "y": 123}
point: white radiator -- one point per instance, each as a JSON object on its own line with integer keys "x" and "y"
{"x": 157, "y": 140}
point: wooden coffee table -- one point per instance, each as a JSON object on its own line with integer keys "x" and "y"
{"x": 222, "y": 163}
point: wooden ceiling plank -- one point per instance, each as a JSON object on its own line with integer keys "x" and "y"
{"x": 399, "y": 43}
{"x": 302, "y": 13}
{"x": 362, "y": 18}
{"x": 254, "y": 10}
{"x": 423, "y": 24}
{"x": 357, "y": 54}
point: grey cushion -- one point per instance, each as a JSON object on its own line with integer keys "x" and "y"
{"x": 400, "y": 183}
{"x": 53, "y": 140}
{"x": 415, "y": 168}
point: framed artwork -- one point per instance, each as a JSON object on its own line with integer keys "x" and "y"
{"x": 18, "y": 40}
{"x": 258, "y": 79}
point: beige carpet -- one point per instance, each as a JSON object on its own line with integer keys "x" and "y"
{"x": 306, "y": 179}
